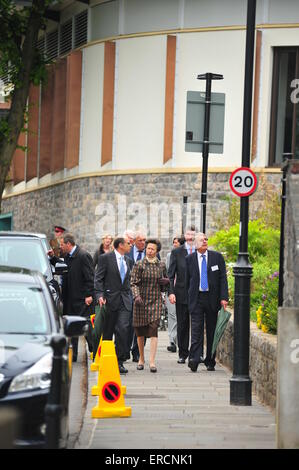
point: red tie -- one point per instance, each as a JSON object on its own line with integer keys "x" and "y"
{"x": 190, "y": 251}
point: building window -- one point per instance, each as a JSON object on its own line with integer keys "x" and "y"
{"x": 284, "y": 127}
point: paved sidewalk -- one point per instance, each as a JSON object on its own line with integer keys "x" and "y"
{"x": 177, "y": 409}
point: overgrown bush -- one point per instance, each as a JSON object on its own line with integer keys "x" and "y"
{"x": 263, "y": 249}
{"x": 267, "y": 311}
{"x": 263, "y": 242}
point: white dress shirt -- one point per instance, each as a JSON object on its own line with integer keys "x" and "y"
{"x": 188, "y": 247}
{"x": 72, "y": 250}
{"x": 199, "y": 259}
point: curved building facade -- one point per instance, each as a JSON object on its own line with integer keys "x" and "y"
{"x": 122, "y": 110}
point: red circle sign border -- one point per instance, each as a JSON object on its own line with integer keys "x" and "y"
{"x": 118, "y": 389}
{"x": 252, "y": 189}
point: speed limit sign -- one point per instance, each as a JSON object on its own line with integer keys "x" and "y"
{"x": 243, "y": 182}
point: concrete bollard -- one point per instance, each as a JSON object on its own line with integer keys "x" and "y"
{"x": 287, "y": 408}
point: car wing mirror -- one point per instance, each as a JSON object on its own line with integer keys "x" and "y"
{"x": 74, "y": 325}
{"x": 61, "y": 268}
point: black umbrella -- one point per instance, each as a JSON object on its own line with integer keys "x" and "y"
{"x": 98, "y": 329}
{"x": 222, "y": 320}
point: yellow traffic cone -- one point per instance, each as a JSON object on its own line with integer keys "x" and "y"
{"x": 96, "y": 389}
{"x": 111, "y": 403}
{"x": 94, "y": 366}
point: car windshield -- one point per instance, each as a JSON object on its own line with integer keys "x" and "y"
{"x": 22, "y": 310}
{"x": 24, "y": 253}
{"x": 46, "y": 244}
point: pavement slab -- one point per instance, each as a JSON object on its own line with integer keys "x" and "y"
{"x": 177, "y": 409}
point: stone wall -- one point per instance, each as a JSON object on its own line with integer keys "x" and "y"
{"x": 89, "y": 206}
{"x": 262, "y": 365}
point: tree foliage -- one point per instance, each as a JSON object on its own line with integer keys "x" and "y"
{"x": 23, "y": 64}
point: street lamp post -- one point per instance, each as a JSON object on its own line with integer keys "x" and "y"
{"x": 206, "y": 142}
{"x": 241, "y": 383}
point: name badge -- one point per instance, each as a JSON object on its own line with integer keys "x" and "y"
{"x": 215, "y": 268}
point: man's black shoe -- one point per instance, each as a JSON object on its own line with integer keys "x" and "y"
{"x": 171, "y": 348}
{"x": 201, "y": 360}
{"x": 74, "y": 358}
{"x": 210, "y": 368}
{"x": 135, "y": 358}
{"x": 193, "y": 366}
{"x": 181, "y": 360}
{"x": 122, "y": 369}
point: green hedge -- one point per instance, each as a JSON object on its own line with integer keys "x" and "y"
{"x": 263, "y": 249}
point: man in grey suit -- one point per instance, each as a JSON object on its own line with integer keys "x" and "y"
{"x": 207, "y": 290}
{"x": 112, "y": 288}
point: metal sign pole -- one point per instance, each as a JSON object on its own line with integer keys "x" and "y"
{"x": 206, "y": 142}
{"x": 184, "y": 214}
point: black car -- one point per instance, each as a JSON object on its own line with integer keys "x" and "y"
{"x": 28, "y": 321}
{"x": 29, "y": 250}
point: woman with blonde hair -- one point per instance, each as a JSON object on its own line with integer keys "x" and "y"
{"x": 105, "y": 247}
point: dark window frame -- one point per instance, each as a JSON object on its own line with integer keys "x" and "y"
{"x": 277, "y": 51}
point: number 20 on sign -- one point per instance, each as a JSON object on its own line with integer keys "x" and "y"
{"x": 243, "y": 182}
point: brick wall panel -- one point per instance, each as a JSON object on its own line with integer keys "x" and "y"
{"x": 59, "y": 117}
{"x": 46, "y": 124}
{"x": 32, "y": 141}
{"x": 73, "y": 109}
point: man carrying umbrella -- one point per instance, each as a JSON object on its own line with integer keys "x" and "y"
{"x": 207, "y": 289}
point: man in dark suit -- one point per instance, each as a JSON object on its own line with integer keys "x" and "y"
{"x": 136, "y": 253}
{"x": 207, "y": 290}
{"x": 178, "y": 292}
{"x": 112, "y": 288}
{"x": 78, "y": 283}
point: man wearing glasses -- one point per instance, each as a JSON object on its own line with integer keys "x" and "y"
{"x": 207, "y": 290}
{"x": 178, "y": 292}
{"x": 112, "y": 288}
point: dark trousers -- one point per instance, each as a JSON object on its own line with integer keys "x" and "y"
{"x": 74, "y": 342}
{"x": 83, "y": 311}
{"x": 133, "y": 341}
{"x": 118, "y": 324}
{"x": 202, "y": 313}
{"x": 183, "y": 329}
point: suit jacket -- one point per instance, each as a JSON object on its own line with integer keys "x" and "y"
{"x": 217, "y": 280}
{"x": 78, "y": 283}
{"x": 108, "y": 282}
{"x": 131, "y": 255}
{"x": 177, "y": 270}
